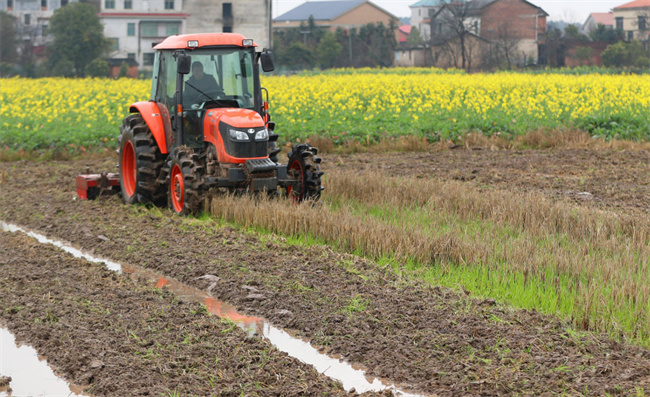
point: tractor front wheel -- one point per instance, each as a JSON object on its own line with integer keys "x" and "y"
{"x": 140, "y": 162}
{"x": 184, "y": 182}
{"x": 304, "y": 169}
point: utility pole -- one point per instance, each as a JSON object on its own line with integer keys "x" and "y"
{"x": 350, "y": 46}
{"x": 304, "y": 36}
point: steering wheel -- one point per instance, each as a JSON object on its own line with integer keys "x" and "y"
{"x": 214, "y": 94}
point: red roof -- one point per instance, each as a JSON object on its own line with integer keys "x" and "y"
{"x": 204, "y": 40}
{"x": 606, "y": 18}
{"x": 635, "y": 4}
{"x": 406, "y": 29}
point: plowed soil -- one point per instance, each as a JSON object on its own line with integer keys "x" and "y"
{"x": 427, "y": 339}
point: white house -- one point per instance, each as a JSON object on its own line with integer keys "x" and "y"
{"x": 421, "y": 13}
{"x": 133, "y": 26}
{"x": 33, "y": 17}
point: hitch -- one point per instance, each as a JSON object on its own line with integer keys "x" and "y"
{"x": 91, "y": 186}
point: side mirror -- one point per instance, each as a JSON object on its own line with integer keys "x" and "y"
{"x": 267, "y": 61}
{"x": 184, "y": 63}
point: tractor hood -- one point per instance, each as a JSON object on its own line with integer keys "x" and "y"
{"x": 234, "y": 117}
{"x": 238, "y": 134}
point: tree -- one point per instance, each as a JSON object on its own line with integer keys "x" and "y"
{"x": 329, "y": 50}
{"x": 583, "y": 55}
{"x": 8, "y": 39}
{"x": 97, "y": 68}
{"x": 603, "y": 33}
{"x": 124, "y": 70}
{"x": 415, "y": 37}
{"x": 571, "y": 32}
{"x": 503, "y": 47}
{"x": 78, "y": 38}
{"x": 298, "y": 56}
{"x": 370, "y": 45}
{"x": 455, "y": 27}
{"x": 624, "y": 54}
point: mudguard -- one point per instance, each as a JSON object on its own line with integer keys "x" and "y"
{"x": 152, "y": 116}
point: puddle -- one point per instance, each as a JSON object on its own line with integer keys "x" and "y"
{"x": 116, "y": 267}
{"x": 30, "y": 376}
{"x": 351, "y": 377}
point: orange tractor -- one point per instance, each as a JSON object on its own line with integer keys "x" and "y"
{"x": 205, "y": 127}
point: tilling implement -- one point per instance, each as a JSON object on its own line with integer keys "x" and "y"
{"x": 207, "y": 127}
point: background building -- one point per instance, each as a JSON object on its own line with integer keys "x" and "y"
{"x": 336, "y": 14}
{"x": 251, "y": 18}
{"x": 132, "y": 26}
{"x": 33, "y": 18}
{"x": 478, "y": 33}
{"x": 632, "y": 18}
{"x": 596, "y": 18}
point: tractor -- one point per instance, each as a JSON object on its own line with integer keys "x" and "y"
{"x": 206, "y": 128}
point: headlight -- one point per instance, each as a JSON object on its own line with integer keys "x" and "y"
{"x": 238, "y": 135}
{"x": 262, "y": 135}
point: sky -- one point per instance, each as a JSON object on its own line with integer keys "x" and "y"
{"x": 569, "y": 11}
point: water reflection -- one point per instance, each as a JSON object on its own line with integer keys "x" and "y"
{"x": 30, "y": 376}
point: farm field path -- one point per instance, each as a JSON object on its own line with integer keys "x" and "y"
{"x": 423, "y": 338}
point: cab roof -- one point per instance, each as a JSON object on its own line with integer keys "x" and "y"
{"x": 178, "y": 42}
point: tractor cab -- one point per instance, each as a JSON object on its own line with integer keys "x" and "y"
{"x": 203, "y": 72}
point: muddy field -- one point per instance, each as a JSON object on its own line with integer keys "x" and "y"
{"x": 115, "y": 336}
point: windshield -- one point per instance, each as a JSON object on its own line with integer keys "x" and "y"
{"x": 224, "y": 76}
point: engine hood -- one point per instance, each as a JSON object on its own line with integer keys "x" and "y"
{"x": 238, "y": 118}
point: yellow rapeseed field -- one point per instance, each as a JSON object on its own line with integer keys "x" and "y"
{"x": 42, "y": 113}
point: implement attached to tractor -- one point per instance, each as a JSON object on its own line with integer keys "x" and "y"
{"x": 210, "y": 130}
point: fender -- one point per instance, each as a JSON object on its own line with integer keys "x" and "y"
{"x": 151, "y": 114}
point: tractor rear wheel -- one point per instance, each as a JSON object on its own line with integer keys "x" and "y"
{"x": 184, "y": 182}
{"x": 140, "y": 162}
{"x": 304, "y": 168}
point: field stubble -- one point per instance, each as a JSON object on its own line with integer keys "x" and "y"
{"x": 535, "y": 252}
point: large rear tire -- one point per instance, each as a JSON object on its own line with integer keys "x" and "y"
{"x": 140, "y": 162}
{"x": 184, "y": 182}
{"x": 304, "y": 168}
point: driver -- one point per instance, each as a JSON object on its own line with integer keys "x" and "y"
{"x": 200, "y": 86}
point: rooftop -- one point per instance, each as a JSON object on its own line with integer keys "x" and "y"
{"x": 406, "y": 28}
{"x": 428, "y": 3}
{"x": 606, "y": 18}
{"x": 319, "y": 10}
{"x": 634, "y": 4}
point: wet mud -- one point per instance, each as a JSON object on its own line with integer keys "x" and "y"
{"x": 115, "y": 336}
{"x": 423, "y": 338}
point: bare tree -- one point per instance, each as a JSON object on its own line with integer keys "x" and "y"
{"x": 454, "y": 27}
{"x": 504, "y": 44}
